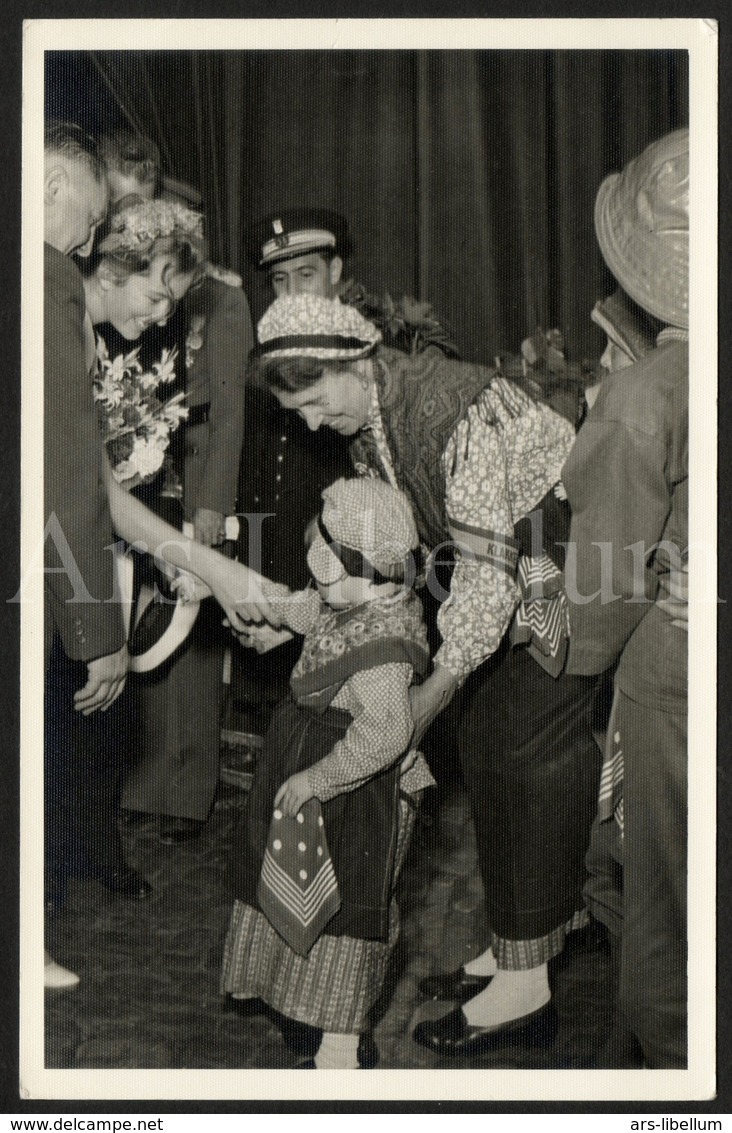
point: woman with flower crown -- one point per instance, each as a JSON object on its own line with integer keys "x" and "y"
{"x": 151, "y": 254}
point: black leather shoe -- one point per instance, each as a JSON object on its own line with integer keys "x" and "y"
{"x": 246, "y": 1008}
{"x": 368, "y": 1052}
{"x": 126, "y": 882}
{"x": 300, "y": 1038}
{"x": 458, "y": 986}
{"x": 175, "y": 830}
{"x": 453, "y": 1036}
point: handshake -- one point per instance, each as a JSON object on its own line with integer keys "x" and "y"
{"x": 262, "y": 637}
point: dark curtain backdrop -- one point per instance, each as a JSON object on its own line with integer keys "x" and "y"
{"x": 468, "y": 177}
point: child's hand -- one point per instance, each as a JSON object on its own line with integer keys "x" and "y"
{"x": 262, "y": 637}
{"x": 293, "y": 794}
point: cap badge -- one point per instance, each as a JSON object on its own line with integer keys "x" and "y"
{"x": 281, "y": 238}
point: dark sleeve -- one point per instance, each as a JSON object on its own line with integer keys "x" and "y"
{"x": 228, "y": 340}
{"x": 79, "y": 578}
{"x": 620, "y": 499}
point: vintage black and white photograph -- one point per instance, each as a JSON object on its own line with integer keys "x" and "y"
{"x": 358, "y": 511}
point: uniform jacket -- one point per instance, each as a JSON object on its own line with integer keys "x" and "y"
{"x": 216, "y": 375}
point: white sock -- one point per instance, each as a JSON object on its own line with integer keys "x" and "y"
{"x": 483, "y": 965}
{"x": 337, "y": 1052}
{"x": 509, "y": 996}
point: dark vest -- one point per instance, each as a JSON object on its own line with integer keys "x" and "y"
{"x": 422, "y": 399}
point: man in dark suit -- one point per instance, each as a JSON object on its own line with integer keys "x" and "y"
{"x": 85, "y": 650}
{"x": 78, "y": 569}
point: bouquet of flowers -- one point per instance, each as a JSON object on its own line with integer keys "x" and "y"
{"x": 406, "y": 324}
{"x": 136, "y": 424}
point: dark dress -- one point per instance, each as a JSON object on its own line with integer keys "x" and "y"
{"x": 175, "y": 768}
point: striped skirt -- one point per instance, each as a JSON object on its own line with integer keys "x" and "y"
{"x": 336, "y": 985}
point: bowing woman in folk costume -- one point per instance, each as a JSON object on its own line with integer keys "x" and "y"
{"x": 479, "y": 456}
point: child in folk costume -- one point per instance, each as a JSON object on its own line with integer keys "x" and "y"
{"x": 333, "y": 802}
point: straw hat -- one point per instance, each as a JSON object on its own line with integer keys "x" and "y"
{"x": 642, "y": 225}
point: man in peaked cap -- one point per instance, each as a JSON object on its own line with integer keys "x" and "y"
{"x": 303, "y": 249}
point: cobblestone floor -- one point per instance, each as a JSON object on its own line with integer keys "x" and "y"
{"x": 149, "y": 998}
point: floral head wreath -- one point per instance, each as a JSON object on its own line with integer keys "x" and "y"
{"x": 135, "y": 228}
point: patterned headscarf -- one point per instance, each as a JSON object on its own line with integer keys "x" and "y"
{"x": 368, "y": 517}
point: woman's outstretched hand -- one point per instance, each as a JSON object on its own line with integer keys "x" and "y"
{"x": 238, "y": 590}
